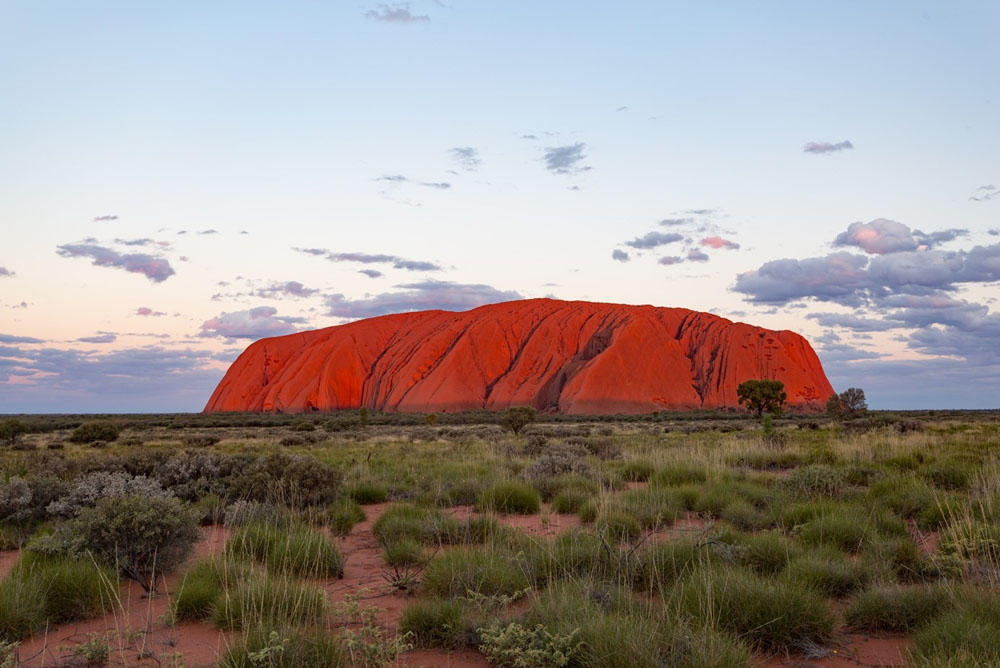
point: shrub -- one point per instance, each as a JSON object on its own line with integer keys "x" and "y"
{"x": 558, "y": 461}
{"x": 10, "y": 430}
{"x": 268, "y": 600}
{"x": 296, "y": 550}
{"x": 681, "y": 473}
{"x": 96, "y": 430}
{"x": 771, "y": 615}
{"x": 23, "y": 501}
{"x": 298, "y": 481}
{"x": 437, "y": 623}
{"x": 141, "y": 536}
{"x": 93, "y": 487}
{"x": 896, "y": 609}
{"x": 343, "y": 515}
{"x": 367, "y": 493}
{"x": 515, "y": 645}
{"x": 301, "y": 424}
{"x": 516, "y": 418}
{"x": 510, "y": 497}
{"x": 459, "y": 571}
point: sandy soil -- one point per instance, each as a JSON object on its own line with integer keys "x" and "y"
{"x": 139, "y": 636}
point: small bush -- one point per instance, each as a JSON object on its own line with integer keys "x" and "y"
{"x": 298, "y": 550}
{"x": 437, "y": 623}
{"x": 96, "y": 430}
{"x": 89, "y": 490}
{"x": 141, "y": 536}
{"x": 343, "y": 515}
{"x": 367, "y": 493}
{"x": 462, "y": 570}
{"x": 514, "y": 645}
{"x": 298, "y": 481}
{"x": 895, "y": 609}
{"x": 510, "y": 497}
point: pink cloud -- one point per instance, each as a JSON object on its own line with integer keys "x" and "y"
{"x": 719, "y": 242}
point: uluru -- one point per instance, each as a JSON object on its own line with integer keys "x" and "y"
{"x": 559, "y": 356}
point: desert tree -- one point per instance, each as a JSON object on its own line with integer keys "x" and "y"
{"x": 517, "y": 418}
{"x": 762, "y": 396}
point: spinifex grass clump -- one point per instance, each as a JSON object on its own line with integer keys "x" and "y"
{"x": 897, "y": 609}
{"x": 297, "y": 550}
{"x": 282, "y": 646}
{"x": 367, "y": 493}
{"x": 439, "y": 623}
{"x": 484, "y": 571}
{"x": 264, "y": 599}
{"x": 510, "y": 497}
{"x": 343, "y": 515}
{"x": 615, "y": 629}
{"x": 827, "y": 571}
{"x": 426, "y": 525}
{"x": 42, "y": 590}
{"x": 770, "y": 614}
{"x": 204, "y": 584}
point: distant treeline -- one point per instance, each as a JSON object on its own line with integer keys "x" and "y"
{"x": 351, "y": 418}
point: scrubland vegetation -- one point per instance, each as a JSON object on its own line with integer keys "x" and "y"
{"x": 684, "y": 541}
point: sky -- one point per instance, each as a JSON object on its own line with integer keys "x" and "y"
{"x": 178, "y": 179}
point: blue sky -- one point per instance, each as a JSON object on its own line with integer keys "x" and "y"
{"x": 181, "y": 178}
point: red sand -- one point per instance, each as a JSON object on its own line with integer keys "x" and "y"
{"x": 140, "y": 638}
{"x": 573, "y": 357}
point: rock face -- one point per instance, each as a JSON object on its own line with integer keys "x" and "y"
{"x": 573, "y": 357}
